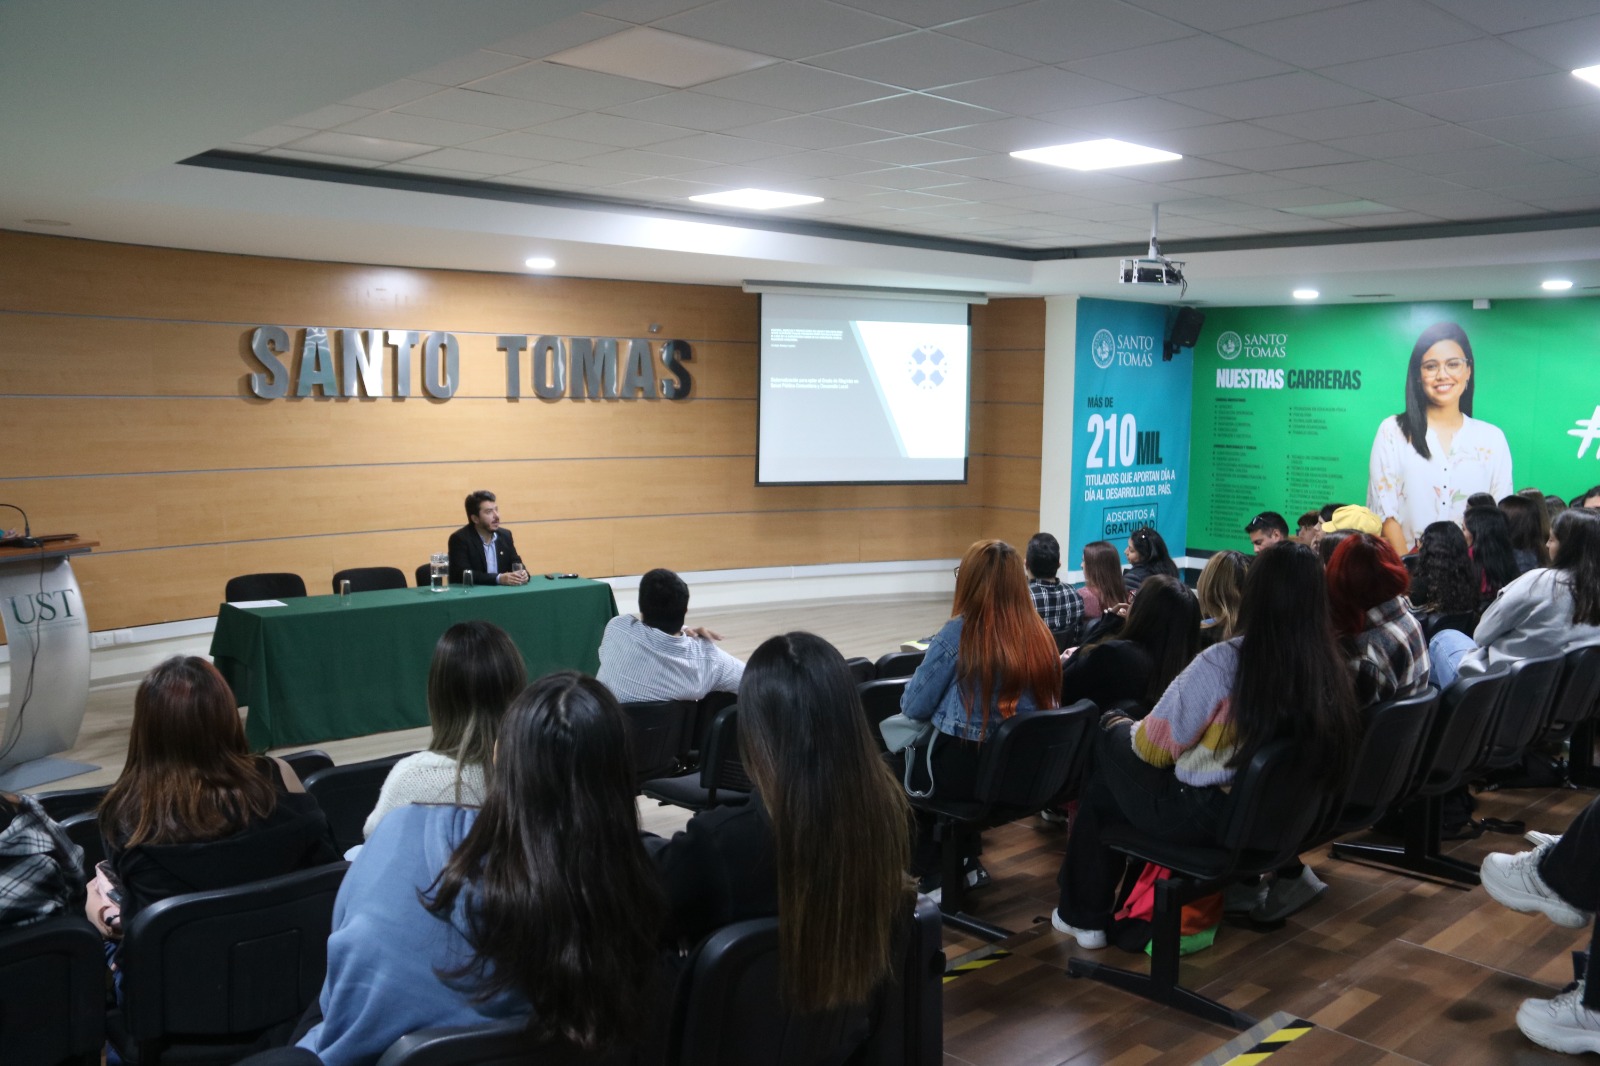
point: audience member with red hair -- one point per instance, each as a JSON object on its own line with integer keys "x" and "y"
{"x": 993, "y": 659}
{"x": 1382, "y": 640}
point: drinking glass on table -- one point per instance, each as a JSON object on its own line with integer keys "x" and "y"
{"x": 468, "y": 579}
{"x": 439, "y": 571}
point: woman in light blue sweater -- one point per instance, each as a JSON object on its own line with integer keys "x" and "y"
{"x": 541, "y": 904}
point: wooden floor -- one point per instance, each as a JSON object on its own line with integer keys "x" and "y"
{"x": 1388, "y": 969}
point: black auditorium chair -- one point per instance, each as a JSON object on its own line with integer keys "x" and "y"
{"x": 371, "y": 578}
{"x": 64, "y": 803}
{"x": 83, "y": 829}
{"x": 1455, "y": 746}
{"x": 1063, "y": 638}
{"x": 348, "y": 793}
{"x": 1391, "y": 738}
{"x": 656, "y": 731}
{"x": 881, "y": 699}
{"x": 263, "y": 587}
{"x": 1032, "y": 761}
{"x": 424, "y": 575}
{"x": 899, "y": 664}
{"x": 207, "y": 974}
{"x": 1572, "y": 714}
{"x": 694, "y": 733}
{"x": 1530, "y": 689}
{"x": 1272, "y": 808}
{"x": 730, "y": 1012}
{"x": 721, "y": 777}
{"x": 52, "y": 993}
{"x": 305, "y": 763}
{"x": 862, "y": 669}
{"x": 503, "y": 1043}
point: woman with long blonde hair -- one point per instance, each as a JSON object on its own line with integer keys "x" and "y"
{"x": 993, "y": 659}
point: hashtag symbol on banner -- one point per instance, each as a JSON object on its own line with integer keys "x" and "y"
{"x": 1588, "y": 430}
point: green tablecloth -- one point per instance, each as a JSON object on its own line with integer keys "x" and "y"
{"x": 315, "y": 669}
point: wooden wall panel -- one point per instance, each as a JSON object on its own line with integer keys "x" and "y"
{"x": 124, "y": 393}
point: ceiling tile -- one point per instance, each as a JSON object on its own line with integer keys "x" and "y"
{"x": 919, "y": 60}
{"x": 1354, "y": 31}
{"x": 356, "y": 147}
{"x": 484, "y": 109}
{"x": 1011, "y": 135}
{"x": 1052, "y": 32}
{"x": 927, "y": 12}
{"x": 273, "y": 136}
{"x": 644, "y": 164}
{"x": 1497, "y": 16}
{"x": 470, "y": 67}
{"x": 1375, "y": 116}
{"x": 795, "y": 87}
{"x": 662, "y": 189}
{"x": 1573, "y": 148}
{"x": 608, "y": 129}
{"x": 1410, "y": 185}
{"x": 1523, "y": 129}
{"x": 1140, "y": 120}
{"x": 1336, "y": 175}
{"x": 1412, "y": 142}
{"x": 817, "y": 164}
{"x": 535, "y": 146}
{"x": 558, "y": 37}
{"x": 1281, "y": 94}
{"x": 324, "y": 118}
{"x": 576, "y": 175}
{"x": 907, "y": 151}
{"x": 902, "y": 177}
{"x": 1497, "y": 156}
{"x": 794, "y": 29}
{"x": 462, "y": 159}
{"x": 1292, "y": 196}
{"x": 697, "y": 111}
{"x": 395, "y": 126}
{"x": 1214, "y": 15}
{"x": 1579, "y": 201}
{"x": 549, "y": 83}
{"x": 642, "y": 11}
{"x": 1240, "y": 185}
{"x": 1286, "y": 156}
{"x": 1551, "y": 92}
{"x": 914, "y": 113}
{"x": 1172, "y": 66}
{"x": 392, "y": 95}
{"x": 1211, "y": 141}
{"x": 1575, "y": 43}
{"x": 1512, "y": 181}
{"x": 714, "y": 147}
{"x": 1039, "y": 89}
{"x": 1453, "y": 66}
{"x": 809, "y": 131}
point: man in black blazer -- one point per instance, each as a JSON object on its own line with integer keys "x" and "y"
{"x": 483, "y": 547}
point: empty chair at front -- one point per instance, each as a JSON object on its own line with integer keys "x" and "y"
{"x": 370, "y": 578}
{"x": 274, "y": 586}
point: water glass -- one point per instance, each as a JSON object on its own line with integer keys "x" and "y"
{"x": 439, "y": 571}
{"x": 344, "y": 593}
{"x": 467, "y": 579}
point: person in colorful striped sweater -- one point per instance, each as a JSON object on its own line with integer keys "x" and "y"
{"x": 1168, "y": 775}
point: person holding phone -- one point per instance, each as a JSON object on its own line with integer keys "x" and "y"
{"x": 1429, "y": 458}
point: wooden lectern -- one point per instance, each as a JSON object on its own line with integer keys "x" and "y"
{"x": 48, "y": 636}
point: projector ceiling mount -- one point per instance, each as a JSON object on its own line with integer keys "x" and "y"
{"x": 1154, "y": 268}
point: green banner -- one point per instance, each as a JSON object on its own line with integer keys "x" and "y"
{"x": 1295, "y": 407}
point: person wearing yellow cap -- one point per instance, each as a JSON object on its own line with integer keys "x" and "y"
{"x": 1429, "y": 458}
{"x": 1353, "y": 518}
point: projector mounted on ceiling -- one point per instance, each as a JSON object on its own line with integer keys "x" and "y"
{"x": 1154, "y": 268}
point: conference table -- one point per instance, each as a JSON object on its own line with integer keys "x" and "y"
{"x": 324, "y": 667}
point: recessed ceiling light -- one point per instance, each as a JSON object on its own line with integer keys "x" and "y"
{"x": 539, "y": 262}
{"x": 1096, "y": 155}
{"x": 1588, "y": 74}
{"x": 1555, "y": 285}
{"x": 1306, "y": 294}
{"x": 755, "y": 199}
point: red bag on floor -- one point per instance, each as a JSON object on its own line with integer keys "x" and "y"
{"x": 1197, "y": 928}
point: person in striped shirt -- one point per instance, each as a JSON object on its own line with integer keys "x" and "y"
{"x": 1168, "y": 775}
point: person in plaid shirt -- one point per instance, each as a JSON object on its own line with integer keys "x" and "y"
{"x": 1059, "y": 604}
{"x": 1382, "y": 640}
{"x": 41, "y": 871}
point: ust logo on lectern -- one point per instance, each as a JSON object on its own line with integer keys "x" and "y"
{"x": 41, "y": 608}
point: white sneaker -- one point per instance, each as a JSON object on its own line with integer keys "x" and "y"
{"x": 1513, "y": 880}
{"x": 1286, "y": 897}
{"x": 1538, "y": 839}
{"x": 1092, "y": 939}
{"x": 1561, "y": 1024}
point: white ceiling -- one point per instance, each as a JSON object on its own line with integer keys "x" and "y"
{"x": 1299, "y": 120}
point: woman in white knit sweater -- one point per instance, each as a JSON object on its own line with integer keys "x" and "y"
{"x": 476, "y": 671}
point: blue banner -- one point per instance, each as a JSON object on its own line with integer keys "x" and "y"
{"x": 1131, "y": 411}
